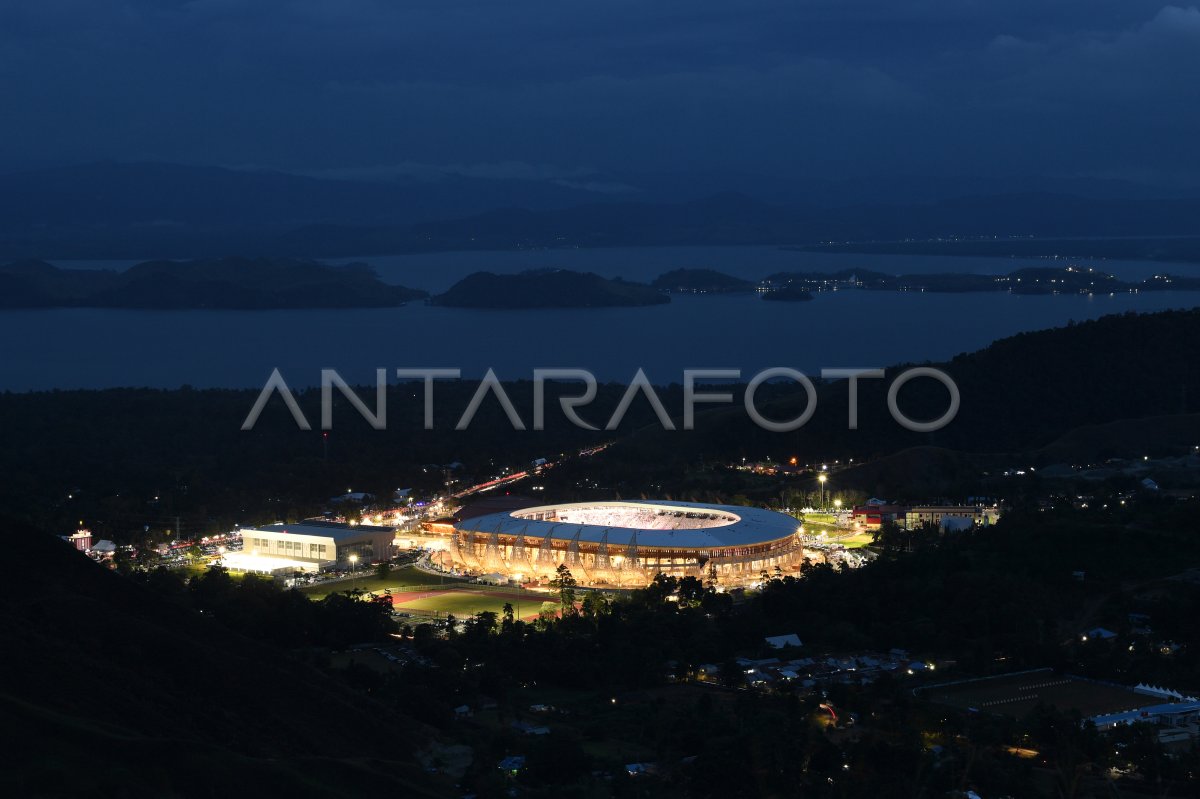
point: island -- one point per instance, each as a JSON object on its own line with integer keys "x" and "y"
{"x": 700, "y": 281}
{"x": 787, "y": 294}
{"x": 1029, "y": 280}
{"x": 219, "y": 283}
{"x": 547, "y": 288}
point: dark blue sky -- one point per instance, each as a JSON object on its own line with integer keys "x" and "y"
{"x": 569, "y": 88}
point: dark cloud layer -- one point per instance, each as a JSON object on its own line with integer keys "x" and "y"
{"x": 557, "y": 89}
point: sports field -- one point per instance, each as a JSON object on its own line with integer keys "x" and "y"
{"x": 467, "y": 602}
{"x": 817, "y": 523}
{"x": 856, "y": 541}
{"x": 405, "y": 578}
{"x": 1014, "y": 695}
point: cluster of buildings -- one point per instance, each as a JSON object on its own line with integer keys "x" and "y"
{"x": 811, "y": 672}
{"x": 1106, "y": 705}
{"x": 83, "y": 541}
{"x": 877, "y": 512}
{"x": 1176, "y": 716}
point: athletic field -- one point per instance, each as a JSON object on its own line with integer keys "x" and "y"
{"x": 1014, "y": 695}
{"x": 856, "y": 541}
{"x": 465, "y": 603}
{"x": 403, "y": 578}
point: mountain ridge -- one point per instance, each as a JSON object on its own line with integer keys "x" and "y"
{"x": 111, "y": 210}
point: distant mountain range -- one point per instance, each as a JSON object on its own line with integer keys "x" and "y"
{"x": 278, "y": 283}
{"x": 115, "y": 195}
{"x": 165, "y": 210}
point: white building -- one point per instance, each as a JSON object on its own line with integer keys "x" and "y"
{"x": 1170, "y": 714}
{"x": 311, "y": 546}
{"x": 950, "y": 516}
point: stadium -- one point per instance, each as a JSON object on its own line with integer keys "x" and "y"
{"x": 626, "y": 543}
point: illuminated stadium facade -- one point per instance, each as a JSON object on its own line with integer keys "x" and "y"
{"x": 627, "y": 543}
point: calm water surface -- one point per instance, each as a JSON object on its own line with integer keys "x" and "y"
{"x": 89, "y": 348}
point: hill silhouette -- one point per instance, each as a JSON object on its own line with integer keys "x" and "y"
{"x": 130, "y": 210}
{"x": 1018, "y": 394}
{"x": 700, "y": 281}
{"x": 552, "y": 288}
{"x": 111, "y": 689}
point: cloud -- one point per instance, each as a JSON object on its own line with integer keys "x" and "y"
{"x": 580, "y": 178}
{"x": 503, "y": 170}
{"x": 599, "y": 186}
{"x": 531, "y": 90}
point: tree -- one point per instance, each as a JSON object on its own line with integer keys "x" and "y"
{"x": 148, "y": 557}
{"x": 508, "y": 615}
{"x": 123, "y": 560}
{"x": 481, "y": 625}
{"x": 557, "y": 759}
{"x": 212, "y": 587}
{"x": 594, "y": 605}
{"x": 890, "y": 538}
{"x": 383, "y": 570}
{"x": 732, "y": 675}
{"x": 565, "y": 584}
{"x": 691, "y": 591}
{"x": 546, "y": 615}
{"x": 662, "y": 586}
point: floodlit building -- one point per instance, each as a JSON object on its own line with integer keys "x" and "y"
{"x": 311, "y": 546}
{"x": 103, "y": 549}
{"x": 950, "y": 515}
{"x": 627, "y": 543}
{"x": 81, "y": 539}
{"x": 875, "y": 513}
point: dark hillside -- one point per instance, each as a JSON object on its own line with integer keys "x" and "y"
{"x": 1018, "y": 394}
{"x": 109, "y": 689}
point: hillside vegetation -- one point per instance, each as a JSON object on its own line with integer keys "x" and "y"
{"x": 109, "y": 689}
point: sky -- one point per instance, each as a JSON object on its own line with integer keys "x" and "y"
{"x": 575, "y": 89}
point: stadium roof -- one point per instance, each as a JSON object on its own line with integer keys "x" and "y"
{"x": 334, "y": 530}
{"x": 497, "y": 503}
{"x": 750, "y": 525}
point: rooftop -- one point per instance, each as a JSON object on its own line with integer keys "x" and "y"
{"x": 335, "y": 530}
{"x": 1147, "y": 713}
{"x": 655, "y": 523}
{"x": 496, "y": 503}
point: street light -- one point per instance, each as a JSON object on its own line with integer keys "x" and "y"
{"x": 821, "y": 479}
{"x": 353, "y": 563}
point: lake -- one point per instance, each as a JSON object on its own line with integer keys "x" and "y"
{"x": 92, "y": 348}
